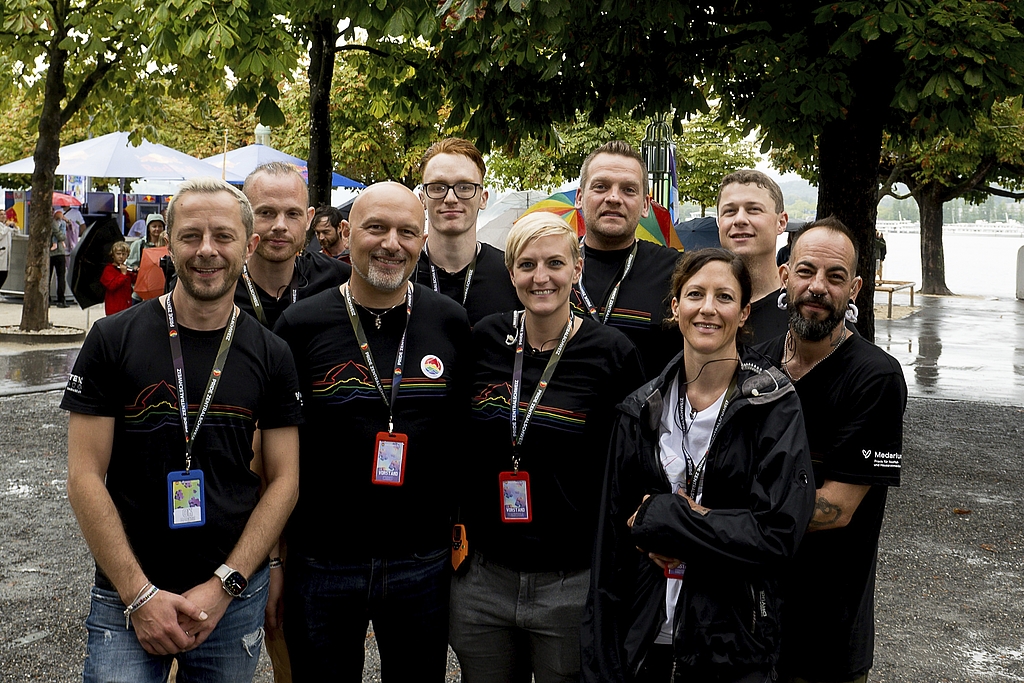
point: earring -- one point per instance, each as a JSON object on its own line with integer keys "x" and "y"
{"x": 852, "y": 311}
{"x": 783, "y": 300}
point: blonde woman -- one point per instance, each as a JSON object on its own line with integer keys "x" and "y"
{"x": 545, "y": 386}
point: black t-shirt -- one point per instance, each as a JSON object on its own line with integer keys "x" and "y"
{"x": 766, "y": 320}
{"x": 644, "y": 300}
{"x": 125, "y": 371}
{"x": 341, "y": 515}
{"x": 853, "y": 403}
{"x": 490, "y": 290}
{"x": 565, "y": 447}
{"x": 316, "y": 273}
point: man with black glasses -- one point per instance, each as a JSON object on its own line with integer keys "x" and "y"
{"x": 453, "y": 262}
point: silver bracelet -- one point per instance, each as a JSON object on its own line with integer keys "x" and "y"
{"x": 144, "y": 596}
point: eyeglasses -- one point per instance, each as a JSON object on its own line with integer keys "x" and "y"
{"x": 462, "y": 190}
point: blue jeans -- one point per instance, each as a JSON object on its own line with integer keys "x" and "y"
{"x": 229, "y": 655}
{"x": 328, "y": 606}
{"x": 507, "y": 625}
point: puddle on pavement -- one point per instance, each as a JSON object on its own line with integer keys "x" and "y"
{"x": 39, "y": 368}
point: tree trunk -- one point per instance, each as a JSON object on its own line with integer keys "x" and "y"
{"x": 36, "y": 308}
{"x": 933, "y": 258}
{"x": 323, "y": 35}
{"x": 848, "y": 154}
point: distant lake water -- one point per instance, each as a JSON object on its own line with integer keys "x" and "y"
{"x": 981, "y": 265}
{"x": 978, "y": 265}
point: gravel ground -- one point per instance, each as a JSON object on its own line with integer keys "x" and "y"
{"x": 950, "y": 600}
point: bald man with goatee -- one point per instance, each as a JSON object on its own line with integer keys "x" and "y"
{"x": 385, "y": 365}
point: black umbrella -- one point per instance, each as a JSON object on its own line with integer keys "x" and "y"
{"x": 88, "y": 259}
{"x": 698, "y": 233}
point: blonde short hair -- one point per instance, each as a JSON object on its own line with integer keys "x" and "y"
{"x": 208, "y": 185}
{"x": 535, "y": 225}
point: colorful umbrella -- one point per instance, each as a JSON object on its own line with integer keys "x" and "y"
{"x": 563, "y": 205}
{"x": 656, "y": 227}
{"x": 61, "y": 199}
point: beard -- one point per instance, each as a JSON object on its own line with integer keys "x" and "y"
{"x": 380, "y": 279}
{"x": 810, "y": 329}
{"x": 201, "y": 291}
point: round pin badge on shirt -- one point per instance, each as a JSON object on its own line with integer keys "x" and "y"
{"x": 432, "y": 366}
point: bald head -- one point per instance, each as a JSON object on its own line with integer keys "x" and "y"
{"x": 386, "y": 193}
{"x": 385, "y": 233}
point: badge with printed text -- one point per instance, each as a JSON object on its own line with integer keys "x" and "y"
{"x": 186, "y": 499}
{"x": 516, "y": 505}
{"x": 389, "y": 454}
{"x": 676, "y": 573}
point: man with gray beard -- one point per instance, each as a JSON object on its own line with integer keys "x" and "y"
{"x": 385, "y": 364}
{"x": 853, "y": 396}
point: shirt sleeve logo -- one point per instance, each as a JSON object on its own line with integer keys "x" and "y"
{"x": 76, "y": 383}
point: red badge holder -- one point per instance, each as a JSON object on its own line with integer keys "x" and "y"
{"x": 389, "y": 454}
{"x": 516, "y": 504}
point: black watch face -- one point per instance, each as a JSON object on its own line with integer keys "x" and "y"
{"x": 235, "y": 583}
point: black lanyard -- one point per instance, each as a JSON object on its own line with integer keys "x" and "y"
{"x": 179, "y": 375}
{"x": 254, "y": 297}
{"x": 591, "y": 308}
{"x": 364, "y": 347}
{"x": 517, "y": 381}
{"x": 465, "y": 285}
{"x": 695, "y": 473}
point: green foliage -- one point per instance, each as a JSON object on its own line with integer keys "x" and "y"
{"x": 990, "y": 152}
{"x": 370, "y": 142}
{"x": 536, "y": 166}
{"x": 706, "y": 150}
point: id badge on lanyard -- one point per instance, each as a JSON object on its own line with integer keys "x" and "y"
{"x": 516, "y": 504}
{"x": 514, "y": 486}
{"x": 389, "y": 459}
{"x": 391, "y": 448}
{"x": 186, "y": 499}
{"x": 186, "y": 489}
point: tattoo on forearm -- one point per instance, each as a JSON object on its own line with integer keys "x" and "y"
{"x": 825, "y": 513}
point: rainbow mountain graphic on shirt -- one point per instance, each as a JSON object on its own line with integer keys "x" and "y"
{"x": 492, "y": 403}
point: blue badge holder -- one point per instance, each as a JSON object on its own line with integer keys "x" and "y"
{"x": 186, "y": 499}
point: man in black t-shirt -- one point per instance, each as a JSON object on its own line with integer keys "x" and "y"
{"x": 164, "y": 401}
{"x": 371, "y": 534}
{"x": 625, "y": 281}
{"x": 280, "y": 273}
{"x": 751, "y": 216}
{"x": 853, "y": 396}
{"x": 453, "y": 262}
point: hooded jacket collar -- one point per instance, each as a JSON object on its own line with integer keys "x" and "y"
{"x": 759, "y": 382}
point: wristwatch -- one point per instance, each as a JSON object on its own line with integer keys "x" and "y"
{"x": 232, "y": 581}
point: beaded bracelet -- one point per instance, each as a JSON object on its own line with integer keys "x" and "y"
{"x": 275, "y": 563}
{"x": 144, "y": 596}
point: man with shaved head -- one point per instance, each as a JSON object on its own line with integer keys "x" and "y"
{"x": 280, "y": 273}
{"x": 384, "y": 365}
{"x": 853, "y": 396}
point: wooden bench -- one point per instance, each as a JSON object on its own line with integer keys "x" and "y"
{"x": 891, "y": 286}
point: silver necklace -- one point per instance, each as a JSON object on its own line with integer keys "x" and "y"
{"x": 785, "y": 363}
{"x": 374, "y": 312}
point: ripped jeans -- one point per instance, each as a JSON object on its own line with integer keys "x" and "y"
{"x": 229, "y": 655}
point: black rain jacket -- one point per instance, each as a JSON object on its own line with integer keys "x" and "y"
{"x": 759, "y": 487}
